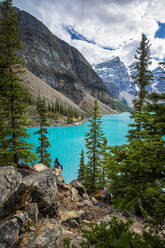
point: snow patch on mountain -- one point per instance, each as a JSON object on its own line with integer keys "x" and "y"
{"x": 117, "y": 78}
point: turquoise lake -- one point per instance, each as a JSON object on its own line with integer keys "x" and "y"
{"x": 66, "y": 143}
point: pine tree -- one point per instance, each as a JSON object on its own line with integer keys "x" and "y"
{"x": 142, "y": 77}
{"x": 43, "y": 139}
{"x": 156, "y": 107}
{"x": 57, "y": 106}
{"x": 82, "y": 168}
{"x": 103, "y": 154}
{"x": 136, "y": 171}
{"x": 94, "y": 140}
{"x": 13, "y": 147}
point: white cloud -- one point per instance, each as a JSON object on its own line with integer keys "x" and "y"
{"x": 158, "y": 48}
{"x": 117, "y": 24}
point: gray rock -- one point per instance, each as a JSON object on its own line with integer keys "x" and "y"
{"x": 88, "y": 215}
{"x": 75, "y": 194}
{"x": 17, "y": 200}
{"x": 16, "y": 191}
{"x": 9, "y": 182}
{"x": 44, "y": 190}
{"x": 33, "y": 212}
{"x": 79, "y": 193}
{"x": 74, "y": 215}
{"x": 88, "y": 202}
{"x": 63, "y": 186}
{"x": 76, "y": 184}
{"x": 50, "y": 235}
{"x": 73, "y": 223}
{"x": 12, "y": 230}
{"x": 13, "y": 193}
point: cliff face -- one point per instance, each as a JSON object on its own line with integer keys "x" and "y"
{"x": 57, "y": 63}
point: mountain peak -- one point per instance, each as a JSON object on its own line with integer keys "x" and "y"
{"x": 109, "y": 63}
{"x": 118, "y": 81}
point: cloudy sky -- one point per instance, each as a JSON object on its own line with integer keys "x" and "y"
{"x": 101, "y": 29}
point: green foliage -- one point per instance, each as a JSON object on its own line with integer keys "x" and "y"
{"x": 142, "y": 77}
{"x": 58, "y": 109}
{"x": 67, "y": 243}
{"x": 43, "y": 139}
{"x": 94, "y": 142}
{"x": 103, "y": 153}
{"x": 117, "y": 234}
{"x": 82, "y": 169}
{"x": 13, "y": 147}
{"x": 136, "y": 171}
{"x": 136, "y": 181}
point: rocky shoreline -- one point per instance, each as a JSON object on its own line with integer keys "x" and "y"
{"x": 38, "y": 209}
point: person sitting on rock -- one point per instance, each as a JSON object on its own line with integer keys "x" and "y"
{"x": 57, "y": 164}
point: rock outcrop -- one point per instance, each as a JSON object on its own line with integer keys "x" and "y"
{"x": 11, "y": 231}
{"x": 52, "y": 211}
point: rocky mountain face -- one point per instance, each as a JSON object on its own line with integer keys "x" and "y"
{"x": 37, "y": 86}
{"x": 116, "y": 77}
{"x": 38, "y": 209}
{"x": 57, "y": 63}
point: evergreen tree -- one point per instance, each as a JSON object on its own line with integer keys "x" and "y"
{"x": 156, "y": 106}
{"x": 142, "y": 77}
{"x": 13, "y": 147}
{"x": 57, "y": 106}
{"x": 103, "y": 154}
{"x": 94, "y": 140}
{"x": 136, "y": 171}
{"x": 82, "y": 168}
{"x": 43, "y": 139}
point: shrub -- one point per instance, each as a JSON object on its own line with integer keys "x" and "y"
{"x": 116, "y": 234}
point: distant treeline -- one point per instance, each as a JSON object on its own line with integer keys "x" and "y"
{"x": 56, "y": 108}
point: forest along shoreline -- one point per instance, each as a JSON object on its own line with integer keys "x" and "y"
{"x": 61, "y": 124}
{"x": 76, "y": 123}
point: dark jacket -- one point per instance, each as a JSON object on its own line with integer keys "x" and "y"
{"x": 58, "y": 165}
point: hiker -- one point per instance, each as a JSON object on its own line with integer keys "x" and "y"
{"x": 57, "y": 164}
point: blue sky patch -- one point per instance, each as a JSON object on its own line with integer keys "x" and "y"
{"x": 109, "y": 48}
{"x": 161, "y": 31}
{"x": 77, "y": 36}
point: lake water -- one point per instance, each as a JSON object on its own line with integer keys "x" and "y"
{"x": 66, "y": 143}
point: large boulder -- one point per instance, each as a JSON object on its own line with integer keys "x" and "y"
{"x": 10, "y": 179}
{"x": 11, "y": 231}
{"x": 40, "y": 167}
{"x": 44, "y": 190}
{"x": 14, "y": 194}
{"x": 79, "y": 194}
{"x": 18, "y": 199}
{"x": 77, "y": 185}
{"x": 16, "y": 191}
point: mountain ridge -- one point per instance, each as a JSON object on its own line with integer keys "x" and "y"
{"x": 117, "y": 77}
{"x": 58, "y": 64}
